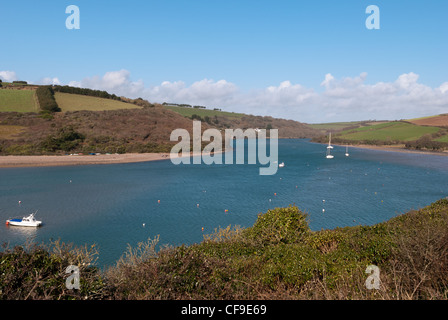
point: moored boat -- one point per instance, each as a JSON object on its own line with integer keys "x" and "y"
{"x": 29, "y": 221}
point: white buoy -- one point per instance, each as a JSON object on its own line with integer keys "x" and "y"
{"x": 143, "y": 225}
{"x": 323, "y": 210}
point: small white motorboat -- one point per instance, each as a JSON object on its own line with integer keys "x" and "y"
{"x": 29, "y": 221}
{"x": 281, "y": 165}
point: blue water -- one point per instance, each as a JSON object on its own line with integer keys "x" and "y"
{"x": 107, "y": 205}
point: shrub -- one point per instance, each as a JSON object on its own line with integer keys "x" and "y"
{"x": 280, "y": 225}
{"x": 66, "y": 139}
{"x": 38, "y": 272}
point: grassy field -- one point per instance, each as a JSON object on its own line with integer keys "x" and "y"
{"x": 75, "y": 102}
{"x": 395, "y": 131}
{"x": 436, "y": 121}
{"x": 188, "y": 112}
{"x": 17, "y": 100}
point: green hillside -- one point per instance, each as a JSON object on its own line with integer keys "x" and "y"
{"x": 390, "y": 131}
{"x": 76, "y": 102}
{"x": 17, "y": 100}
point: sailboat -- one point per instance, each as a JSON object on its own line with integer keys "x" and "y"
{"x": 329, "y": 155}
{"x": 346, "y": 151}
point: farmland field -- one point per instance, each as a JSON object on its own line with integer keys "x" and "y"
{"x": 440, "y": 120}
{"x": 17, "y": 101}
{"x": 188, "y": 112}
{"x": 395, "y": 131}
{"x": 76, "y": 102}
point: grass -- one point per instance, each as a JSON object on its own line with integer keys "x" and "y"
{"x": 188, "y": 112}
{"x": 12, "y": 100}
{"x": 75, "y": 102}
{"x": 390, "y": 131}
{"x": 442, "y": 139}
{"x": 10, "y": 131}
{"x": 279, "y": 257}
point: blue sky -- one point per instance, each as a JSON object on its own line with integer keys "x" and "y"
{"x": 260, "y": 57}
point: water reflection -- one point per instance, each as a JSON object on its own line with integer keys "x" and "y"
{"x": 27, "y": 234}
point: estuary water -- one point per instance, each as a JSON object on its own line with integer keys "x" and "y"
{"x": 117, "y": 205}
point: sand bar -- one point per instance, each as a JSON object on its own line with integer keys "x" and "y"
{"x": 75, "y": 160}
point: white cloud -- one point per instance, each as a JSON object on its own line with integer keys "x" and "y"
{"x": 117, "y": 82}
{"x": 49, "y": 81}
{"x": 327, "y": 81}
{"x": 352, "y": 98}
{"x": 204, "y": 92}
{"x": 8, "y": 76}
{"x": 444, "y": 87}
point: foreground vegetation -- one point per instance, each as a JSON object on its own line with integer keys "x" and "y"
{"x": 279, "y": 257}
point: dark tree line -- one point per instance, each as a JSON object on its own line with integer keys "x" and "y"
{"x": 426, "y": 143}
{"x": 85, "y": 92}
{"x": 47, "y": 102}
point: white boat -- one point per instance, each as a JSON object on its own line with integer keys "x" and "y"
{"x": 281, "y": 165}
{"x": 29, "y": 221}
{"x": 329, "y": 155}
{"x": 346, "y": 151}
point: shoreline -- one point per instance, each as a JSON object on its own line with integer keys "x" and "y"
{"x": 76, "y": 160}
{"x": 67, "y": 160}
{"x": 395, "y": 148}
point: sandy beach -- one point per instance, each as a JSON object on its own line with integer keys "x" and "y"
{"x": 75, "y": 160}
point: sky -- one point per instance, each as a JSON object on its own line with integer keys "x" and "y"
{"x": 310, "y": 61}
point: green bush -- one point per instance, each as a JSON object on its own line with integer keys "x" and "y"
{"x": 280, "y": 225}
{"x": 66, "y": 139}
